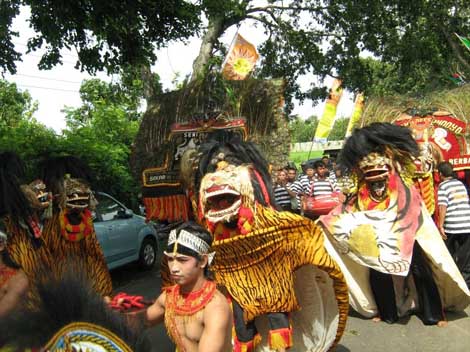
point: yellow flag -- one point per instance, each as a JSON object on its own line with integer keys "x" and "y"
{"x": 326, "y": 122}
{"x": 240, "y": 60}
{"x": 357, "y": 112}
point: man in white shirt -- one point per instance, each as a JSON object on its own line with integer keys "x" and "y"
{"x": 454, "y": 218}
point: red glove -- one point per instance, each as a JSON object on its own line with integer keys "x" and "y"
{"x": 123, "y": 302}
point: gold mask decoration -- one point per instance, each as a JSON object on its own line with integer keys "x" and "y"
{"x": 224, "y": 191}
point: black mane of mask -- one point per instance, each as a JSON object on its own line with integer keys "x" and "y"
{"x": 60, "y": 301}
{"x": 377, "y": 137}
{"x": 53, "y": 171}
{"x": 237, "y": 152}
{"x": 12, "y": 199}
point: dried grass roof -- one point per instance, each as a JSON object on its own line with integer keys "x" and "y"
{"x": 258, "y": 101}
{"x": 387, "y": 109}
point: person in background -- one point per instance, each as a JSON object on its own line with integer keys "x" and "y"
{"x": 343, "y": 181}
{"x": 328, "y": 165}
{"x": 303, "y": 184}
{"x": 282, "y": 193}
{"x": 454, "y": 218}
{"x": 321, "y": 182}
{"x": 291, "y": 174}
{"x": 291, "y": 179}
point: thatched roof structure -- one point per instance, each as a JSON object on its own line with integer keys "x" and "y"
{"x": 260, "y": 102}
{"x": 387, "y": 109}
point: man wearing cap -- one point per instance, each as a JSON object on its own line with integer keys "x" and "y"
{"x": 196, "y": 315}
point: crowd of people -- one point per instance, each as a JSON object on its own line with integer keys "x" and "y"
{"x": 323, "y": 176}
{"x": 376, "y": 249}
{"x": 317, "y": 177}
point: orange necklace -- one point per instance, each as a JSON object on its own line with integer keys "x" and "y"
{"x": 75, "y": 233}
{"x": 186, "y": 305}
{"x": 190, "y": 303}
{"x": 6, "y": 274}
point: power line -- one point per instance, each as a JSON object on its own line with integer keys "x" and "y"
{"x": 40, "y": 56}
{"x": 47, "y": 79}
{"x": 63, "y": 54}
{"x": 47, "y": 88}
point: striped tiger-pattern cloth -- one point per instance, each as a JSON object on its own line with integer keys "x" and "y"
{"x": 167, "y": 208}
{"x": 425, "y": 186}
{"x": 23, "y": 251}
{"x": 257, "y": 268}
{"x": 85, "y": 253}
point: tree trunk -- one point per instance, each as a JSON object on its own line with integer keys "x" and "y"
{"x": 148, "y": 85}
{"x": 214, "y": 30}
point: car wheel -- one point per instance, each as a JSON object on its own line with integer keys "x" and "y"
{"x": 148, "y": 253}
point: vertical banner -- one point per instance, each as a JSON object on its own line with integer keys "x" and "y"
{"x": 356, "y": 114}
{"x": 326, "y": 122}
{"x": 465, "y": 41}
{"x": 240, "y": 59}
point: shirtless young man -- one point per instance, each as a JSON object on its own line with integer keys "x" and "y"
{"x": 13, "y": 281}
{"x": 197, "y": 316}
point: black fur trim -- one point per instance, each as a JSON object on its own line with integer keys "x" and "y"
{"x": 376, "y": 137}
{"x": 61, "y": 300}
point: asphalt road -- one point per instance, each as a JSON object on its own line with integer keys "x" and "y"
{"x": 361, "y": 335}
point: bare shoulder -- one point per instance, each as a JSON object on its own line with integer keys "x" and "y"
{"x": 218, "y": 303}
{"x": 162, "y": 298}
{"x": 160, "y": 301}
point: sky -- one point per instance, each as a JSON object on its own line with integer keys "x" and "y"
{"x": 59, "y": 87}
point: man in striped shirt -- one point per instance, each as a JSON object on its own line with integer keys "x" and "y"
{"x": 282, "y": 193}
{"x": 454, "y": 217}
{"x": 315, "y": 182}
{"x": 314, "y": 174}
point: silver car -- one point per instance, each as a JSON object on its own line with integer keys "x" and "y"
{"x": 125, "y": 237}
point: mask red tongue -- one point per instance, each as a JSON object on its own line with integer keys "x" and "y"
{"x": 223, "y": 203}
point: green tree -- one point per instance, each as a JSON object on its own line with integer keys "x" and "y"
{"x": 339, "y": 129}
{"x": 101, "y": 133}
{"x": 302, "y": 130}
{"x": 106, "y": 34}
{"x": 19, "y": 130}
{"x": 413, "y": 39}
{"x": 15, "y": 106}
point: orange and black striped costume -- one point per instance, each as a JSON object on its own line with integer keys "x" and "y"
{"x": 53, "y": 251}
{"x": 257, "y": 268}
{"x": 86, "y": 253}
{"x": 23, "y": 252}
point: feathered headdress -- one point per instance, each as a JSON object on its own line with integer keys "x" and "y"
{"x": 67, "y": 311}
{"x": 13, "y": 201}
{"x": 61, "y": 172}
{"x": 236, "y": 152}
{"x": 395, "y": 143}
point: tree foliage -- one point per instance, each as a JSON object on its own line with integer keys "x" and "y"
{"x": 302, "y": 130}
{"x": 411, "y": 42}
{"x": 338, "y": 131}
{"x": 100, "y": 132}
{"x": 106, "y": 34}
{"x": 15, "y": 106}
{"x": 19, "y": 130}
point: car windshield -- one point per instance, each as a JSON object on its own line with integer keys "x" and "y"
{"x": 108, "y": 208}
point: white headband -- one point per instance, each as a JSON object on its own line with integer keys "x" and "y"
{"x": 188, "y": 240}
{"x": 3, "y": 236}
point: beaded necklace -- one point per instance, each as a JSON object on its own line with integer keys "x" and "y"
{"x": 75, "y": 233}
{"x": 178, "y": 304}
